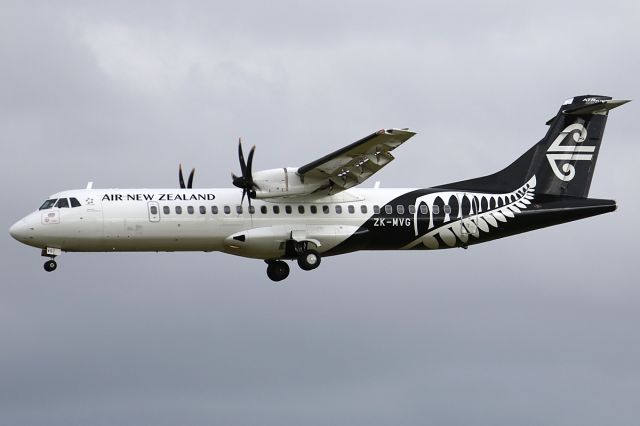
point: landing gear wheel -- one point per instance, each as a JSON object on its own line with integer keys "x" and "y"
{"x": 309, "y": 259}
{"x": 278, "y": 270}
{"x": 50, "y": 265}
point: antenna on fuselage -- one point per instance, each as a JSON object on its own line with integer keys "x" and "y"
{"x": 89, "y": 185}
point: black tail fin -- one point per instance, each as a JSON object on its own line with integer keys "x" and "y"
{"x": 564, "y": 160}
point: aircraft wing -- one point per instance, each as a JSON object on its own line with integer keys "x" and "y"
{"x": 355, "y": 163}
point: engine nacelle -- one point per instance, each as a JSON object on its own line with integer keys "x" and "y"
{"x": 284, "y": 182}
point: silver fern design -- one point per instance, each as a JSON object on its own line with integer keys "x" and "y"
{"x": 473, "y": 213}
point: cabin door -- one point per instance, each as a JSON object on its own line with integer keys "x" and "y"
{"x": 153, "y": 209}
{"x": 469, "y": 206}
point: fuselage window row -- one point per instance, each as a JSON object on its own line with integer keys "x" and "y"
{"x": 313, "y": 209}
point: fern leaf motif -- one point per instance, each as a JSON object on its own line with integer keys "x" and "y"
{"x": 474, "y": 214}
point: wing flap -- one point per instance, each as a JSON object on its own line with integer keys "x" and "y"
{"x": 353, "y": 164}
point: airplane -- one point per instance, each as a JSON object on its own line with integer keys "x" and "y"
{"x": 314, "y": 211}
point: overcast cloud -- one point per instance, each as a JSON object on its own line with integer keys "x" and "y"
{"x": 535, "y": 329}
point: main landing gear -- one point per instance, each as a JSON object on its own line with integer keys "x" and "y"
{"x": 277, "y": 270}
{"x": 308, "y": 259}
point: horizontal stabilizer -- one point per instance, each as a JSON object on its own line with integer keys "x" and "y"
{"x": 596, "y": 107}
{"x": 601, "y": 106}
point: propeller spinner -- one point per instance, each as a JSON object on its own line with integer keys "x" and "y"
{"x": 245, "y": 181}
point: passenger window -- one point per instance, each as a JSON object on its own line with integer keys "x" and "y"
{"x": 400, "y": 209}
{"x": 412, "y": 209}
{"x": 190, "y": 209}
{"x": 239, "y": 209}
{"x": 252, "y": 209}
{"x": 301, "y": 209}
{"x": 263, "y": 209}
{"x": 363, "y": 209}
{"x": 276, "y": 209}
{"x": 153, "y": 210}
{"x": 388, "y": 209}
{"x": 376, "y": 209}
{"x": 314, "y": 209}
{"x": 178, "y": 210}
{"x": 62, "y": 203}
{"x": 447, "y": 209}
{"x": 74, "y": 202}
{"x": 203, "y": 210}
{"x": 287, "y": 209}
{"x": 325, "y": 209}
{"x": 339, "y": 209}
{"x": 351, "y": 209}
{"x": 165, "y": 210}
{"x": 48, "y": 204}
{"x": 214, "y": 209}
{"x": 227, "y": 210}
{"x": 436, "y": 209}
{"x": 424, "y": 209}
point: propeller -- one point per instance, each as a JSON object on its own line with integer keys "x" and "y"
{"x": 181, "y": 178}
{"x": 245, "y": 181}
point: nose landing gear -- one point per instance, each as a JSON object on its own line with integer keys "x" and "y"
{"x": 50, "y": 265}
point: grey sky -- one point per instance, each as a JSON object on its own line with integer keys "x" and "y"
{"x": 536, "y": 329}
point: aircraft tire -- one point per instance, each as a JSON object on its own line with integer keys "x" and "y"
{"x": 50, "y": 265}
{"x": 278, "y": 270}
{"x": 309, "y": 260}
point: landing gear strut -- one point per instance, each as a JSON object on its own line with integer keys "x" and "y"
{"x": 277, "y": 270}
{"x": 308, "y": 259}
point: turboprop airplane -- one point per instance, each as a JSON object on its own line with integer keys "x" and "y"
{"x": 309, "y": 212}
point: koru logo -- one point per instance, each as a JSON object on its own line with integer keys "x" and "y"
{"x": 558, "y": 152}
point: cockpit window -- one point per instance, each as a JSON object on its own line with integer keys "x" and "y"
{"x": 48, "y": 204}
{"x": 74, "y": 202}
{"x": 62, "y": 203}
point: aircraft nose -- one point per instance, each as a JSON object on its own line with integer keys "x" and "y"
{"x": 19, "y": 230}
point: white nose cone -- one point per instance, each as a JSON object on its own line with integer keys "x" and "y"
{"x": 19, "y": 230}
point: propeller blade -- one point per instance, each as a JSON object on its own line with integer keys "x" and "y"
{"x": 180, "y": 177}
{"x": 190, "y": 181}
{"x": 243, "y": 165}
{"x": 238, "y": 181}
{"x": 249, "y": 175}
{"x": 245, "y": 180}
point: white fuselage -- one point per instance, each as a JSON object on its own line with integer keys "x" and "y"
{"x": 197, "y": 220}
